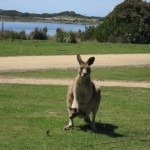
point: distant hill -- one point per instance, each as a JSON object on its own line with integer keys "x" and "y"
{"x": 66, "y": 16}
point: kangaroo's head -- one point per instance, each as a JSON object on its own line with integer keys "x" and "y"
{"x": 84, "y": 69}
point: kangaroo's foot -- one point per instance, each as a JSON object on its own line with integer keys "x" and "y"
{"x": 93, "y": 127}
{"x": 87, "y": 119}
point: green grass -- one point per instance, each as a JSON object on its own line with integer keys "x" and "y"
{"x": 109, "y": 73}
{"x": 31, "y": 47}
{"x": 25, "y": 119}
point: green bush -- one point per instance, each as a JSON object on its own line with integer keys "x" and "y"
{"x": 59, "y": 35}
{"x": 65, "y": 37}
{"x": 39, "y": 34}
{"x": 89, "y": 34}
{"x": 13, "y": 35}
{"x": 129, "y": 22}
{"x": 22, "y": 35}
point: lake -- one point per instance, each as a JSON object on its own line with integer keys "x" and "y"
{"x": 28, "y": 27}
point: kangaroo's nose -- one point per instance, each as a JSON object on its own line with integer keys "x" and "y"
{"x": 84, "y": 72}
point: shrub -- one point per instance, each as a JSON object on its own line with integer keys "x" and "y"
{"x": 69, "y": 37}
{"x": 89, "y": 34}
{"x": 13, "y": 35}
{"x": 39, "y": 34}
{"x": 22, "y": 35}
{"x": 65, "y": 37}
{"x": 59, "y": 35}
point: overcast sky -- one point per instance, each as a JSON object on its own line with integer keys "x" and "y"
{"x": 85, "y": 7}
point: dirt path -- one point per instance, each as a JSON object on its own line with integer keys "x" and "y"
{"x": 39, "y": 81}
{"x": 58, "y": 62}
{"x": 23, "y": 63}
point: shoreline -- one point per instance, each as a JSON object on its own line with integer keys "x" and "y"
{"x": 63, "y": 21}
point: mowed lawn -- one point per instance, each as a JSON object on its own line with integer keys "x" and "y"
{"x": 33, "y": 116}
{"x": 29, "y": 112}
{"x": 33, "y": 47}
{"x": 131, "y": 73}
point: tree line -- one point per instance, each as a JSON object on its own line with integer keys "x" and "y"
{"x": 129, "y": 22}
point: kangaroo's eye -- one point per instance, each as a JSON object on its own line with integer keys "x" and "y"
{"x": 88, "y": 69}
{"x": 81, "y": 68}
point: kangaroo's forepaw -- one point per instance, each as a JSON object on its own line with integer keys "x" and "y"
{"x": 68, "y": 127}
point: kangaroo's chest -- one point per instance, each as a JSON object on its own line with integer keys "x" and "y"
{"x": 82, "y": 98}
{"x": 82, "y": 93}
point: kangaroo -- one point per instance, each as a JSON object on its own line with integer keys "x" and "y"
{"x": 83, "y": 97}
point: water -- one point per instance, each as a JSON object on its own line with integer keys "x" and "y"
{"x": 29, "y": 27}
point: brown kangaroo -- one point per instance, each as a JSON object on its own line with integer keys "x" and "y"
{"x": 83, "y": 97}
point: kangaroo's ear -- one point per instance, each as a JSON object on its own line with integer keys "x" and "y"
{"x": 80, "y": 59}
{"x": 90, "y": 61}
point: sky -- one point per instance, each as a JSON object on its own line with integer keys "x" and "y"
{"x": 99, "y": 8}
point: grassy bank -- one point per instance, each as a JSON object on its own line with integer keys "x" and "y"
{"x": 109, "y": 73}
{"x": 29, "y": 111}
{"x": 31, "y": 47}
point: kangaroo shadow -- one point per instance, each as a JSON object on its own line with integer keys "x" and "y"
{"x": 102, "y": 128}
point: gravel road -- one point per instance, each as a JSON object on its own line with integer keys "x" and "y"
{"x": 25, "y": 63}
{"x": 59, "y": 62}
{"x": 40, "y": 81}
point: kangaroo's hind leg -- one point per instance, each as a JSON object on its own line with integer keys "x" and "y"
{"x": 87, "y": 119}
{"x": 72, "y": 111}
{"x": 95, "y": 109}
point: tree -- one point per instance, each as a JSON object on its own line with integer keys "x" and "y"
{"x": 129, "y": 22}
